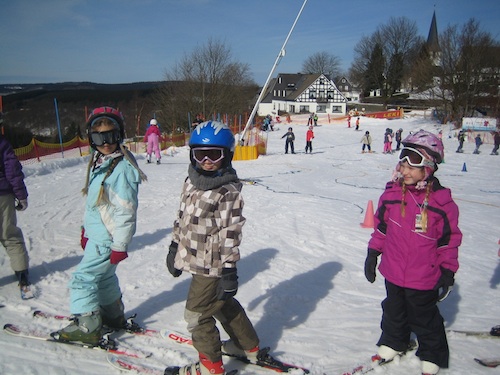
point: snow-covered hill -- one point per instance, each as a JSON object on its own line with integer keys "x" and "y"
{"x": 301, "y": 272}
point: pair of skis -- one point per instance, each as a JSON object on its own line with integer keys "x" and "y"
{"x": 129, "y": 360}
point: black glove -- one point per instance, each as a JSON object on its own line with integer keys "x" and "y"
{"x": 22, "y": 204}
{"x": 371, "y": 265}
{"x": 172, "y": 250}
{"x": 445, "y": 283}
{"x": 228, "y": 284}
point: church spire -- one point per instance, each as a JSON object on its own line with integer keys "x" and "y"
{"x": 432, "y": 39}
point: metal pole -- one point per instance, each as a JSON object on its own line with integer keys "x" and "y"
{"x": 59, "y": 128}
{"x": 264, "y": 88}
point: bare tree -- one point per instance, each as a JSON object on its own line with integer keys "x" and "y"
{"x": 470, "y": 66}
{"x": 206, "y": 81}
{"x": 322, "y": 62}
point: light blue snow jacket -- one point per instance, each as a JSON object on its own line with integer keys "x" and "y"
{"x": 113, "y": 225}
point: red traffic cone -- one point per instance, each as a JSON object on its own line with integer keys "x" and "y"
{"x": 369, "y": 216}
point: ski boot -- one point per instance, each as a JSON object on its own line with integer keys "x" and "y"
{"x": 384, "y": 354}
{"x": 24, "y": 284}
{"x": 257, "y": 356}
{"x": 203, "y": 367}
{"x": 85, "y": 328}
{"x": 429, "y": 368}
{"x": 113, "y": 315}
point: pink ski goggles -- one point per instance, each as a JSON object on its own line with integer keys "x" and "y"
{"x": 414, "y": 158}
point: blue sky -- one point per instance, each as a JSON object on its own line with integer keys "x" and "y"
{"x": 122, "y": 41}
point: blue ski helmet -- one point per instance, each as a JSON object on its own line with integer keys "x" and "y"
{"x": 215, "y": 134}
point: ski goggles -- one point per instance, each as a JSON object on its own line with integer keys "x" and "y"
{"x": 110, "y": 137}
{"x": 414, "y": 158}
{"x": 212, "y": 154}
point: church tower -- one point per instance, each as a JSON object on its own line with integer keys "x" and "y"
{"x": 433, "y": 43}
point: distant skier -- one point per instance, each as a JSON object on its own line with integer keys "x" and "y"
{"x": 461, "y": 140}
{"x": 152, "y": 137}
{"x": 290, "y": 138}
{"x": 496, "y": 141}
{"x": 309, "y": 138}
{"x": 366, "y": 141}
{"x": 399, "y": 134}
{"x": 357, "y": 124}
{"x": 478, "y": 142}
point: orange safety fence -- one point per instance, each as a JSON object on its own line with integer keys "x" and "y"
{"x": 38, "y": 151}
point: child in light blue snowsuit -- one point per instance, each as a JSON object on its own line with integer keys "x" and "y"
{"x": 112, "y": 186}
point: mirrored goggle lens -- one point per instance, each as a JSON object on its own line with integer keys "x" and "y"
{"x": 412, "y": 157}
{"x": 211, "y": 154}
{"x": 109, "y": 137}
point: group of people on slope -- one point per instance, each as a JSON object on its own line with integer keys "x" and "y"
{"x": 416, "y": 237}
{"x": 290, "y": 140}
{"x": 478, "y": 142}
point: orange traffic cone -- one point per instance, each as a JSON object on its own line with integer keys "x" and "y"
{"x": 369, "y": 216}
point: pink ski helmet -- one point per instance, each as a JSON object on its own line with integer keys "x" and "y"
{"x": 427, "y": 141}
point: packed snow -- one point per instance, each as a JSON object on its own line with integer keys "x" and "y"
{"x": 301, "y": 272}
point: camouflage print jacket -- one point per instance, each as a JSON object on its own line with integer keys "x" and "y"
{"x": 209, "y": 223}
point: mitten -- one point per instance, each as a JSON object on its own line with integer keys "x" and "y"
{"x": 172, "y": 250}
{"x": 228, "y": 284}
{"x": 371, "y": 265}
{"x": 117, "y": 256}
{"x": 83, "y": 239}
{"x": 445, "y": 283}
{"x": 22, "y": 204}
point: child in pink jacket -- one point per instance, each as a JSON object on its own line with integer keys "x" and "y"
{"x": 152, "y": 137}
{"x": 417, "y": 237}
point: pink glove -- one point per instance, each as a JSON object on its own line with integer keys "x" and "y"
{"x": 117, "y": 256}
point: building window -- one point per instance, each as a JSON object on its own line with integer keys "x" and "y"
{"x": 336, "y": 109}
{"x": 304, "y": 109}
{"x": 321, "y": 109}
{"x": 330, "y": 94}
{"x": 312, "y": 94}
{"x": 292, "y": 108}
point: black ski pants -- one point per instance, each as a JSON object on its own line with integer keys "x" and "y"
{"x": 410, "y": 310}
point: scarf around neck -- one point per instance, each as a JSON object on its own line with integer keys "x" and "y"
{"x": 208, "y": 182}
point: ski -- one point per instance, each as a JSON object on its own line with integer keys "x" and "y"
{"x": 494, "y": 333}
{"x": 131, "y": 326}
{"x": 105, "y": 344}
{"x": 488, "y": 362}
{"x": 373, "y": 364}
{"x": 266, "y": 361}
{"x": 140, "y": 367}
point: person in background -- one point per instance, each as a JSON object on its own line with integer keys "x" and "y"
{"x": 357, "y": 124}
{"x": 496, "y": 141}
{"x": 153, "y": 137}
{"x": 290, "y": 139}
{"x": 206, "y": 236}
{"x": 399, "y": 137}
{"x": 478, "y": 142}
{"x": 388, "y": 141}
{"x": 13, "y": 197}
{"x": 309, "y": 138}
{"x": 111, "y": 187}
{"x": 461, "y": 139}
{"x": 416, "y": 234}
{"x": 366, "y": 140}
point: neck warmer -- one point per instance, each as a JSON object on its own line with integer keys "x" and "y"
{"x": 215, "y": 180}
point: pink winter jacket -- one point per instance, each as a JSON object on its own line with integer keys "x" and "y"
{"x": 410, "y": 259}
{"x": 153, "y": 129}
